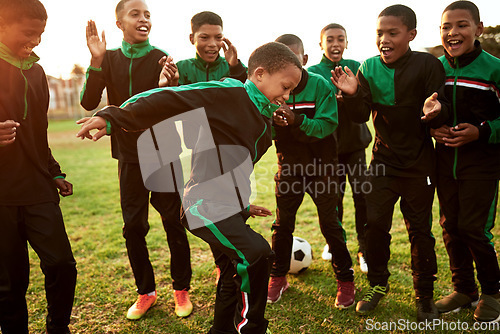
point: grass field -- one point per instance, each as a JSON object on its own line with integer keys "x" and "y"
{"x": 106, "y": 288}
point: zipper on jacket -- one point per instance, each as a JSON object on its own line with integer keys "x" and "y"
{"x": 206, "y": 66}
{"x": 454, "y": 101}
{"x": 25, "y": 94}
{"x": 130, "y": 72}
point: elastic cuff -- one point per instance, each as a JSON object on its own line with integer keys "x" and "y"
{"x": 299, "y": 119}
{"x": 59, "y": 177}
{"x": 237, "y": 69}
{"x": 95, "y": 68}
{"x": 108, "y": 128}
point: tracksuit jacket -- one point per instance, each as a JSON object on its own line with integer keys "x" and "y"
{"x": 27, "y": 167}
{"x": 473, "y": 82}
{"x": 195, "y": 70}
{"x": 351, "y": 136}
{"x": 121, "y": 84}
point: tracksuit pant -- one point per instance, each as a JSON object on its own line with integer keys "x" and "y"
{"x": 290, "y": 192}
{"x": 135, "y": 203}
{"x": 244, "y": 258}
{"x": 354, "y": 167}
{"x": 469, "y": 208}
{"x": 416, "y": 194}
{"x": 42, "y": 226}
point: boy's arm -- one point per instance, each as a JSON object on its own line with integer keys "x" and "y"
{"x": 436, "y": 109}
{"x": 236, "y": 69}
{"x": 65, "y": 188}
{"x": 358, "y": 105}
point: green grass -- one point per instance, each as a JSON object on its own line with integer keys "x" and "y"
{"x": 106, "y": 288}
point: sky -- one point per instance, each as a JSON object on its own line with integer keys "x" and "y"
{"x": 246, "y": 26}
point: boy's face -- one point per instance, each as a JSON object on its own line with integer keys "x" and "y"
{"x": 208, "y": 40}
{"x": 393, "y": 38}
{"x": 458, "y": 31}
{"x": 21, "y": 36}
{"x": 278, "y": 85}
{"x": 135, "y": 21}
{"x": 333, "y": 42}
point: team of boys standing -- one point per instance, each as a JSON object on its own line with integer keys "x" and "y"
{"x": 315, "y": 117}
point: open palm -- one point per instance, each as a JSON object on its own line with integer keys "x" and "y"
{"x": 97, "y": 46}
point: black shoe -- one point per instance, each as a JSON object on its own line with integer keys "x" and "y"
{"x": 371, "y": 299}
{"x": 426, "y": 309}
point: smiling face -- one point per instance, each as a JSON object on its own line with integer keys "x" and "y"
{"x": 278, "y": 85}
{"x": 333, "y": 42}
{"x": 393, "y": 38}
{"x": 459, "y": 31}
{"x": 22, "y": 36}
{"x": 207, "y": 40}
{"x": 135, "y": 21}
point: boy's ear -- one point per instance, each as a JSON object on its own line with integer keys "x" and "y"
{"x": 119, "y": 25}
{"x": 305, "y": 58}
{"x": 191, "y": 38}
{"x": 258, "y": 73}
{"x": 480, "y": 29}
{"x": 413, "y": 34}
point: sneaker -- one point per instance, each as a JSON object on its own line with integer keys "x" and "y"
{"x": 141, "y": 306}
{"x": 183, "y": 306}
{"x": 371, "y": 299}
{"x": 277, "y": 286}
{"x": 345, "y": 294}
{"x": 488, "y": 308}
{"x": 456, "y": 301}
{"x": 426, "y": 309}
{"x": 326, "y": 255}
{"x": 362, "y": 263}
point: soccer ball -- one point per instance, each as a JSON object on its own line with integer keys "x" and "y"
{"x": 301, "y": 256}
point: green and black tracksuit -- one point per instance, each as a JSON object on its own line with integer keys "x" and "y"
{"x": 126, "y": 71}
{"x": 307, "y": 161}
{"x": 238, "y": 115}
{"x": 195, "y": 70}
{"x": 403, "y": 161}
{"x": 29, "y": 201}
{"x": 468, "y": 175}
{"x": 352, "y": 140}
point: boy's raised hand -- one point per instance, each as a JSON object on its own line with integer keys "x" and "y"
{"x": 344, "y": 81}
{"x": 89, "y": 124}
{"x": 230, "y": 52}
{"x": 8, "y": 132}
{"x": 97, "y": 47}
{"x": 169, "y": 75}
{"x": 432, "y": 107}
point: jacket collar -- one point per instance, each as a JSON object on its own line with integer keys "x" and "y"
{"x": 303, "y": 82}
{"x": 400, "y": 61}
{"x": 204, "y": 64}
{"x": 262, "y": 103}
{"x": 466, "y": 58}
{"x": 136, "y": 50}
{"x": 23, "y": 64}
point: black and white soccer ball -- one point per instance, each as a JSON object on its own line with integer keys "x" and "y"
{"x": 301, "y": 256}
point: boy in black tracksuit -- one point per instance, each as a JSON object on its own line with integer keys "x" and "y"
{"x": 352, "y": 138}
{"x": 238, "y": 117}
{"x": 29, "y": 178}
{"x": 393, "y": 88}
{"x": 125, "y": 71}
{"x": 307, "y": 161}
{"x": 468, "y": 155}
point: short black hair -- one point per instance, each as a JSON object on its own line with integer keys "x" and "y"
{"x": 120, "y": 6}
{"x": 331, "y": 26}
{"x": 205, "y": 17}
{"x": 12, "y": 10}
{"x": 272, "y": 57}
{"x": 467, "y": 5}
{"x": 291, "y": 39}
{"x": 405, "y": 13}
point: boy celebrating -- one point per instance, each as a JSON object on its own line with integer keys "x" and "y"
{"x": 29, "y": 178}
{"x": 352, "y": 138}
{"x": 238, "y": 115}
{"x": 393, "y": 87}
{"x": 126, "y": 71}
{"x": 468, "y": 154}
{"x": 307, "y": 140}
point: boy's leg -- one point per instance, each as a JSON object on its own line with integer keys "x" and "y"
{"x": 289, "y": 196}
{"x": 46, "y": 233}
{"x": 169, "y": 207}
{"x": 342, "y": 176}
{"x": 135, "y": 202}
{"x": 250, "y": 254}
{"x": 14, "y": 273}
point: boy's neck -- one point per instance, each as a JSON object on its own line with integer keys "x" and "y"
{"x": 13, "y": 59}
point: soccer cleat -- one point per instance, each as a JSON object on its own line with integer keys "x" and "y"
{"x": 277, "y": 286}
{"x": 371, "y": 299}
{"x": 141, "y": 306}
{"x": 362, "y": 263}
{"x": 488, "y": 308}
{"x": 345, "y": 295}
{"x": 326, "y": 255}
{"x": 183, "y": 306}
{"x": 426, "y": 310}
{"x": 456, "y": 301}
